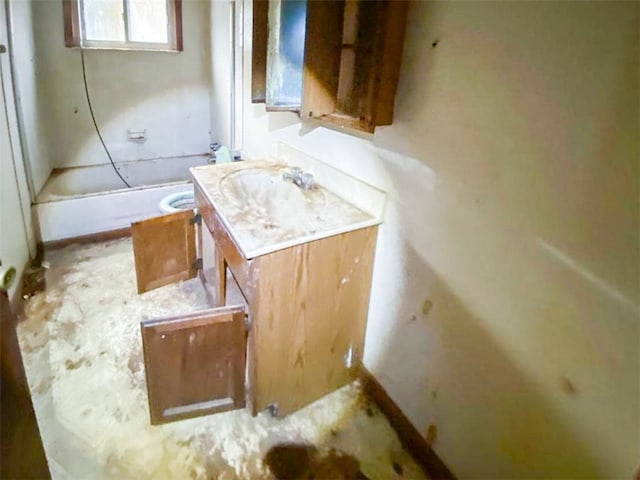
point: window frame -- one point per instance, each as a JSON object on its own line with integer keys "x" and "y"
{"x": 74, "y": 34}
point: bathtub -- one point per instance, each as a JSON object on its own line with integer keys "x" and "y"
{"x": 81, "y": 201}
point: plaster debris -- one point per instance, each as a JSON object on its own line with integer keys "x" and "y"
{"x": 82, "y": 350}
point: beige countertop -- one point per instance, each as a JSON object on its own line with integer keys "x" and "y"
{"x": 265, "y": 213}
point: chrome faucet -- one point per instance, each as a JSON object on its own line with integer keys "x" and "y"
{"x": 300, "y": 178}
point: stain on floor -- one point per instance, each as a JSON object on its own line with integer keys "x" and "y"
{"x": 82, "y": 350}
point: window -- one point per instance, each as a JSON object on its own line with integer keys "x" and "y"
{"x": 287, "y": 22}
{"x": 123, "y": 24}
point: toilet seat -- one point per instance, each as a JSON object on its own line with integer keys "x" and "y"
{"x": 177, "y": 202}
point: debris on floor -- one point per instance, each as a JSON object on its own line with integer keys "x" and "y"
{"x": 81, "y": 345}
{"x": 34, "y": 279}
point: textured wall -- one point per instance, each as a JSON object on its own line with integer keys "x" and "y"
{"x": 505, "y": 304}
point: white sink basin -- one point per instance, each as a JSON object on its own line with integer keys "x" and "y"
{"x": 271, "y": 199}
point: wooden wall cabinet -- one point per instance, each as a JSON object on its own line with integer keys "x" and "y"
{"x": 352, "y": 57}
{"x": 353, "y": 51}
{"x": 299, "y": 335}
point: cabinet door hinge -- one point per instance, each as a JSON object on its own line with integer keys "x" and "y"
{"x": 197, "y": 265}
{"x": 197, "y": 219}
{"x": 273, "y": 409}
{"x": 247, "y": 322}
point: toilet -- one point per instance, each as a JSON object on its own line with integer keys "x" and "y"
{"x": 177, "y": 201}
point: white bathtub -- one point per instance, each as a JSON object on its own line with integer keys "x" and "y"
{"x": 84, "y": 200}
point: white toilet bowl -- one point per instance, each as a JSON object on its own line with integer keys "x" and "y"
{"x": 177, "y": 201}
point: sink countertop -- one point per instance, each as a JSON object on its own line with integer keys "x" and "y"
{"x": 265, "y": 213}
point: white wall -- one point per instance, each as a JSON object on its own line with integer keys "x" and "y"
{"x": 167, "y": 94}
{"x": 505, "y": 303}
{"x": 221, "y": 72}
{"x": 30, "y": 98}
{"x": 14, "y": 247}
{"x": 17, "y": 242}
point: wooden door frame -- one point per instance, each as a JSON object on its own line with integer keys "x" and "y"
{"x": 22, "y": 454}
{"x": 21, "y": 167}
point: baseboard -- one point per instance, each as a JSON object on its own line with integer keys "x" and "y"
{"x": 30, "y": 282}
{"x": 411, "y": 439}
{"x": 17, "y": 299}
{"x": 90, "y": 238}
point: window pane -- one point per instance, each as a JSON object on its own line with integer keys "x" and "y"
{"x": 103, "y": 20}
{"x": 285, "y": 54}
{"x": 148, "y": 21}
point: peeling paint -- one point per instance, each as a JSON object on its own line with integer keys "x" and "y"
{"x": 426, "y": 307}
{"x": 568, "y": 387}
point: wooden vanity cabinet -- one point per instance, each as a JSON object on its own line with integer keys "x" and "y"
{"x": 306, "y": 310}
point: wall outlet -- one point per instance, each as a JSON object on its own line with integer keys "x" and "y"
{"x": 136, "y": 135}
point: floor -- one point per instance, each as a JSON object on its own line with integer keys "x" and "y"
{"x": 81, "y": 346}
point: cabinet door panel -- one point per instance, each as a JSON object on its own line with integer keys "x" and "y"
{"x": 164, "y": 249}
{"x": 318, "y": 325}
{"x": 353, "y": 50}
{"x": 323, "y": 46}
{"x": 195, "y": 364}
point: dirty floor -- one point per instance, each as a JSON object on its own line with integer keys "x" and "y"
{"x": 83, "y": 357}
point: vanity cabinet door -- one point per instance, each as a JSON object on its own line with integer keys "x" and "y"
{"x": 164, "y": 248}
{"x": 195, "y": 363}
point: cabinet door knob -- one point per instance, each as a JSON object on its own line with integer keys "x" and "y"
{"x": 3, "y": 48}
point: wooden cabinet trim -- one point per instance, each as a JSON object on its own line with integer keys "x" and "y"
{"x": 240, "y": 267}
{"x": 205, "y": 209}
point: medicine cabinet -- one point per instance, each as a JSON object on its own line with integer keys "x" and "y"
{"x": 346, "y": 74}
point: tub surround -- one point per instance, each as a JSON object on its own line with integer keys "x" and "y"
{"x": 264, "y": 213}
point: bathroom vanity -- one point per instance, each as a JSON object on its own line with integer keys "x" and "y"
{"x": 302, "y": 259}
